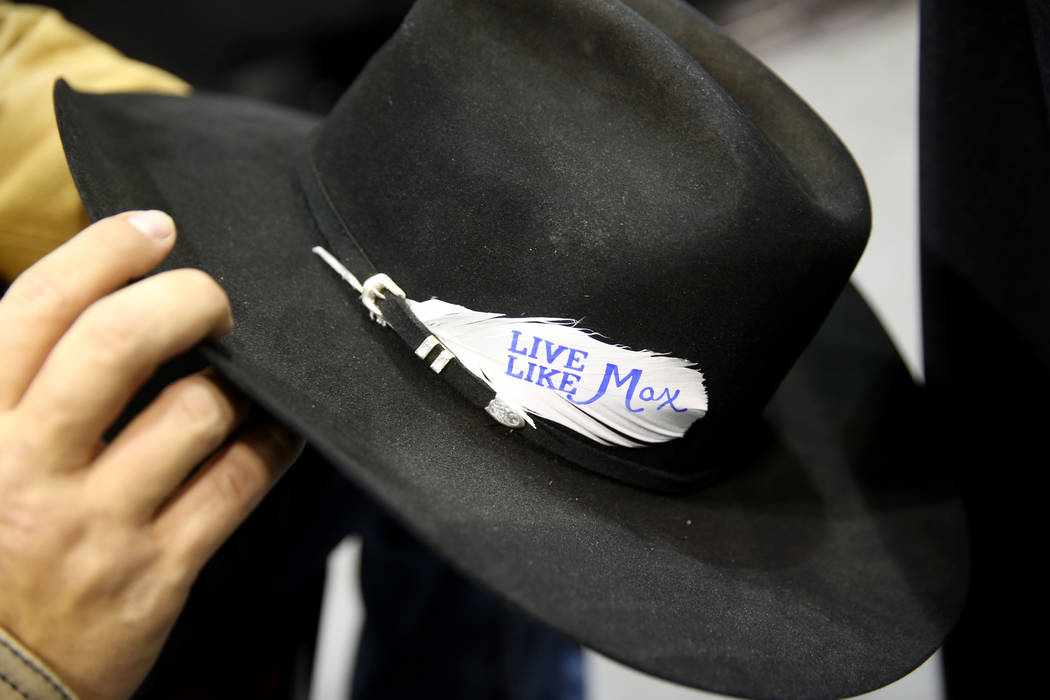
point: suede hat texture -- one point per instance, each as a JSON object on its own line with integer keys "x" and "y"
{"x": 628, "y": 165}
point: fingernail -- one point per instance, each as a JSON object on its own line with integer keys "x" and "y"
{"x": 153, "y": 223}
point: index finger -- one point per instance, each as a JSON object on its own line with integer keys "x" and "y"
{"x": 43, "y": 302}
{"x": 110, "y": 350}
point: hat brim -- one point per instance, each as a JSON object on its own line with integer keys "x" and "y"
{"x": 833, "y": 564}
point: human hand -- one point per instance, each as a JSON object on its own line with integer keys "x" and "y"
{"x": 100, "y": 543}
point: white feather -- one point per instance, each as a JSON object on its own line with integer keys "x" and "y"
{"x": 526, "y": 362}
{"x": 550, "y": 368}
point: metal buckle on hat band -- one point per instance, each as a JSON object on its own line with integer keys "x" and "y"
{"x": 430, "y": 349}
{"x": 372, "y": 289}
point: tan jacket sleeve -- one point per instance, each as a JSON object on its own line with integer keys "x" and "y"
{"x": 25, "y": 677}
{"x": 39, "y": 205}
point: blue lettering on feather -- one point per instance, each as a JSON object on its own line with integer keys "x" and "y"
{"x": 561, "y": 373}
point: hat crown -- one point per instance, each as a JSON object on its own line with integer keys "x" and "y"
{"x": 610, "y": 164}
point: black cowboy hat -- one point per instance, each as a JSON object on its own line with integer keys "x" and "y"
{"x": 627, "y": 166}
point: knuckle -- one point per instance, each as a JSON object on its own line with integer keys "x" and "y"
{"x": 240, "y": 479}
{"x": 35, "y": 524}
{"x": 185, "y": 552}
{"x": 201, "y": 410}
{"x": 41, "y": 291}
{"x": 175, "y": 579}
{"x": 19, "y": 452}
{"x": 110, "y": 330}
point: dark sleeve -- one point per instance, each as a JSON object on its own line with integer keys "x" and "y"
{"x": 985, "y": 237}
